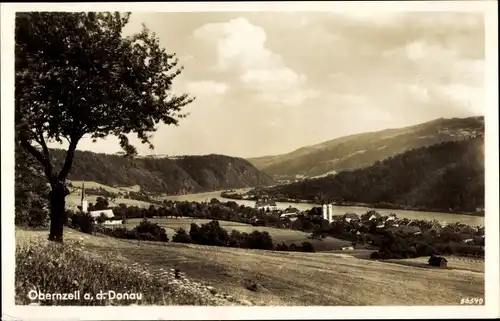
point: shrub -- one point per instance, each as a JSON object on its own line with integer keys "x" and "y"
{"x": 376, "y": 256}
{"x": 181, "y": 236}
{"x": 282, "y": 247}
{"x": 102, "y": 218}
{"x": 308, "y": 247}
{"x": 209, "y": 234}
{"x": 157, "y": 232}
{"x": 260, "y": 240}
{"x": 83, "y": 222}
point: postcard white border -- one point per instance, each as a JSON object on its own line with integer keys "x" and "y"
{"x": 491, "y": 309}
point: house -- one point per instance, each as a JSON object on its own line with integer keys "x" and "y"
{"x": 351, "y": 217}
{"x": 112, "y": 222}
{"x": 349, "y": 248}
{"x": 468, "y": 241}
{"x": 382, "y": 225}
{"x": 290, "y": 211}
{"x": 265, "y": 204}
{"x": 108, "y": 213}
{"x": 392, "y": 217}
{"x": 374, "y": 216}
{"x": 95, "y": 214}
{"x": 438, "y": 261}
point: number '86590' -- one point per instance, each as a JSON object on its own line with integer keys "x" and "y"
{"x": 471, "y": 301}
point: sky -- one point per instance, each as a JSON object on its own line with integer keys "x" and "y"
{"x": 267, "y": 83}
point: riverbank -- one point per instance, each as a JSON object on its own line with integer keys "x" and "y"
{"x": 355, "y": 204}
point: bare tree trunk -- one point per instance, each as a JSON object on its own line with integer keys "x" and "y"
{"x": 57, "y": 211}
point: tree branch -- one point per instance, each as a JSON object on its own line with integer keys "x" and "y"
{"x": 45, "y": 162}
{"x": 45, "y": 149}
{"x": 69, "y": 159}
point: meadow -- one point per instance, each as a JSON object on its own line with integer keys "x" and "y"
{"x": 75, "y": 198}
{"x": 253, "y": 277}
{"x": 278, "y": 235}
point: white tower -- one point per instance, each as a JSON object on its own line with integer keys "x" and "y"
{"x": 325, "y": 211}
{"x": 330, "y": 213}
{"x": 85, "y": 204}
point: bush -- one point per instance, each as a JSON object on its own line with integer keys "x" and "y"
{"x": 83, "y": 222}
{"x": 260, "y": 240}
{"x": 282, "y": 247}
{"x": 157, "y": 232}
{"x": 64, "y": 268}
{"x": 209, "y": 234}
{"x": 102, "y": 218}
{"x": 181, "y": 236}
{"x": 308, "y": 247}
{"x": 376, "y": 256}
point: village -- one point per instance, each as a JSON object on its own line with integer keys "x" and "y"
{"x": 364, "y": 232}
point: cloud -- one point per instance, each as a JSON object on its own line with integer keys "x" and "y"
{"x": 207, "y": 87}
{"x": 240, "y": 48}
{"x": 465, "y": 97}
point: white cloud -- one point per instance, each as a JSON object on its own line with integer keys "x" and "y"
{"x": 207, "y": 87}
{"x": 240, "y": 48}
{"x": 468, "y": 98}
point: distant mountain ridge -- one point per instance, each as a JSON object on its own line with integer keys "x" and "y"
{"x": 448, "y": 176}
{"x": 360, "y": 150}
{"x": 183, "y": 175}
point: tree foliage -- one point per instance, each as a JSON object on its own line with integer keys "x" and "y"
{"x": 76, "y": 75}
{"x": 448, "y": 176}
{"x": 188, "y": 174}
{"x": 30, "y": 190}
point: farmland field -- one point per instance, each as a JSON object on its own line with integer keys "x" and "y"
{"x": 293, "y": 278}
{"x": 278, "y": 235}
{"x": 74, "y": 199}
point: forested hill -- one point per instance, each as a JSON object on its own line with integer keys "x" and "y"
{"x": 356, "y": 151}
{"x": 448, "y": 176}
{"x": 182, "y": 175}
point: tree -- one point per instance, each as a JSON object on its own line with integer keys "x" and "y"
{"x": 30, "y": 190}
{"x": 77, "y": 75}
{"x": 101, "y": 203}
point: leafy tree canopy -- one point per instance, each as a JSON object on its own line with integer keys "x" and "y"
{"x": 77, "y": 75}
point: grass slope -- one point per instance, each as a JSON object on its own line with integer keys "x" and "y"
{"x": 290, "y": 278}
{"x": 278, "y": 235}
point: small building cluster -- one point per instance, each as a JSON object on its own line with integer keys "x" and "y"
{"x": 95, "y": 214}
{"x": 327, "y": 211}
{"x": 266, "y": 204}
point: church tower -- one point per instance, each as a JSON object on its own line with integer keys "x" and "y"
{"x": 85, "y": 204}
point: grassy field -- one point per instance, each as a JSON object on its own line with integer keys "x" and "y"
{"x": 291, "y": 278}
{"x": 278, "y": 235}
{"x": 90, "y": 184}
{"x": 74, "y": 199}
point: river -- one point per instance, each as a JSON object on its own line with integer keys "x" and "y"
{"x": 443, "y": 218}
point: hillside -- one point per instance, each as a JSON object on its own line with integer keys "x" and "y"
{"x": 182, "y": 175}
{"x": 364, "y": 149}
{"x": 282, "y": 278}
{"x": 448, "y": 176}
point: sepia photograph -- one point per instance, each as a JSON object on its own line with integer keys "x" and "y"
{"x": 232, "y": 155}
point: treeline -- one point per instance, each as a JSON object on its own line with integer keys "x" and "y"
{"x": 214, "y": 235}
{"x": 448, "y": 176}
{"x": 183, "y": 175}
{"x": 396, "y": 246}
{"x": 211, "y": 234}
